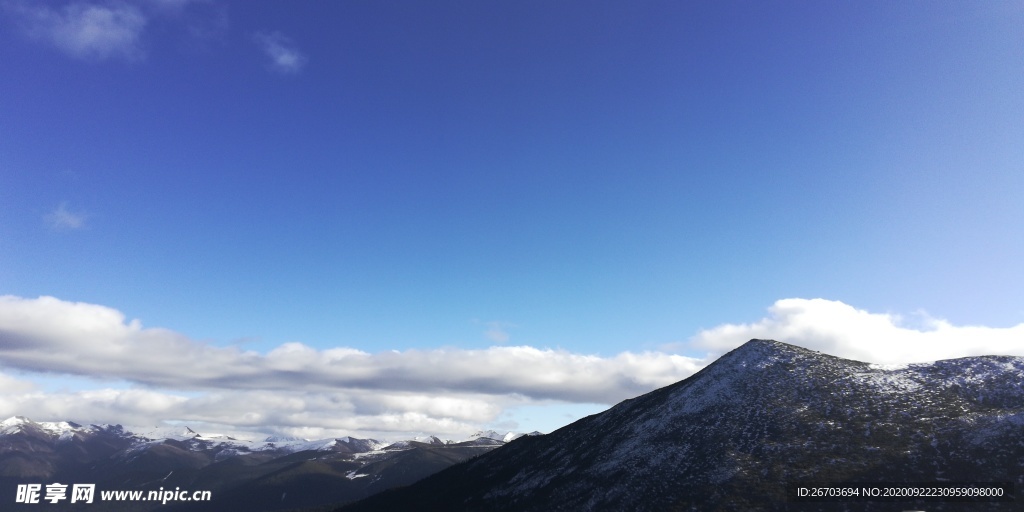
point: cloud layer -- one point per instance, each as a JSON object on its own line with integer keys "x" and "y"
{"x": 50, "y": 335}
{"x": 299, "y": 390}
{"x": 294, "y": 386}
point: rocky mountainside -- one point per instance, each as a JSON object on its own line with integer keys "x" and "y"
{"x": 276, "y": 473}
{"x": 735, "y": 435}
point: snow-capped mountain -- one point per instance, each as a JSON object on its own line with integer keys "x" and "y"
{"x": 487, "y": 436}
{"x": 734, "y": 435}
{"x": 147, "y": 436}
{"x": 275, "y": 473}
{"x": 21, "y": 423}
{"x": 141, "y": 437}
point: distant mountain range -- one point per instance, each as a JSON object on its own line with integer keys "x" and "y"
{"x": 273, "y": 474}
{"x": 747, "y": 430}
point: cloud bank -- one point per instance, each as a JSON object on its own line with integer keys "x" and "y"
{"x": 295, "y": 386}
{"x": 299, "y": 390}
{"x": 50, "y": 335}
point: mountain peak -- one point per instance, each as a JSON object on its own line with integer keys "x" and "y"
{"x": 14, "y": 423}
{"x": 761, "y": 353}
{"x": 15, "y": 420}
{"x": 730, "y": 436}
{"x": 21, "y": 423}
{"x": 489, "y": 434}
{"x": 285, "y": 439}
{"x": 767, "y": 347}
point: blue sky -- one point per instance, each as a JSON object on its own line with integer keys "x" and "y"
{"x": 591, "y": 177}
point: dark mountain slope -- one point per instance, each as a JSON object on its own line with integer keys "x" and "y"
{"x": 731, "y": 436}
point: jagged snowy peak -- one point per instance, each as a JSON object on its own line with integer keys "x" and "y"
{"x": 59, "y": 427}
{"x": 18, "y": 423}
{"x": 503, "y": 438}
{"x": 62, "y": 430}
{"x": 353, "y": 445}
{"x": 488, "y": 434}
{"x": 428, "y": 440}
{"x": 176, "y": 432}
{"x": 489, "y": 438}
{"x": 732, "y": 435}
{"x": 284, "y": 439}
{"x": 485, "y": 438}
{"x": 14, "y": 424}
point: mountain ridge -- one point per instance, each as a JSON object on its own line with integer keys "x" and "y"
{"x": 255, "y": 475}
{"x": 185, "y": 432}
{"x": 733, "y": 435}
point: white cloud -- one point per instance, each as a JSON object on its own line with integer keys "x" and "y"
{"x": 62, "y": 218}
{"x": 842, "y": 330}
{"x": 84, "y": 30}
{"x": 50, "y": 335}
{"x": 97, "y": 30}
{"x": 284, "y": 55}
